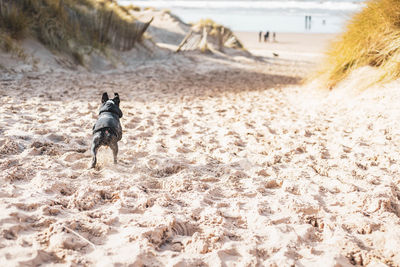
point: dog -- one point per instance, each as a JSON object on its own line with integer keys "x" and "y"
{"x": 107, "y": 130}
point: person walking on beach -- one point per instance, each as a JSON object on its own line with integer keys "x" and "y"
{"x": 259, "y": 36}
{"x": 274, "y": 37}
{"x": 306, "y": 22}
{"x": 266, "y": 36}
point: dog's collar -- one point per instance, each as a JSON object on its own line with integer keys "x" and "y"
{"x": 112, "y": 109}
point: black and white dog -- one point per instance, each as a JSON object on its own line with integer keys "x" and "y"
{"x": 107, "y": 131}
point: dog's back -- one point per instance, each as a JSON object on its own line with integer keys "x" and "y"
{"x": 108, "y": 120}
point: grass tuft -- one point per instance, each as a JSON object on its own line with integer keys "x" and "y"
{"x": 9, "y": 45}
{"x": 78, "y": 57}
{"x": 131, "y": 7}
{"x": 13, "y": 20}
{"x": 371, "y": 38}
{"x": 6, "y": 43}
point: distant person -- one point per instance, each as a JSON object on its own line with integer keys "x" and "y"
{"x": 323, "y": 22}
{"x": 266, "y": 36}
{"x": 274, "y": 37}
{"x": 306, "y": 22}
{"x": 259, "y": 36}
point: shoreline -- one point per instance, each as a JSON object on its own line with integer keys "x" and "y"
{"x": 266, "y": 15}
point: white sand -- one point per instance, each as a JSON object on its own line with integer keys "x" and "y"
{"x": 223, "y": 162}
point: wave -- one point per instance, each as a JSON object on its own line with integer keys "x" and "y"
{"x": 274, "y": 4}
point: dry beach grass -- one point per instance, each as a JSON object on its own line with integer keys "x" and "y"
{"x": 371, "y": 39}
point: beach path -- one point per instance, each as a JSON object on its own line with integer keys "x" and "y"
{"x": 222, "y": 163}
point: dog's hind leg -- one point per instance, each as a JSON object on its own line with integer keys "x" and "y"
{"x": 95, "y": 147}
{"x": 114, "y": 148}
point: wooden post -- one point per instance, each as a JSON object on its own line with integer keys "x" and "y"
{"x": 184, "y": 41}
{"x": 203, "y": 43}
{"x": 220, "y": 36}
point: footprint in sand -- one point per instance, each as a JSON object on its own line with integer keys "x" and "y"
{"x": 56, "y": 138}
{"x": 27, "y": 206}
{"x": 18, "y": 173}
{"x": 314, "y": 221}
{"x": 173, "y": 235}
{"x": 144, "y": 134}
{"x": 180, "y": 132}
{"x": 66, "y": 120}
{"x": 50, "y": 149}
{"x": 184, "y": 149}
{"x": 132, "y": 123}
{"x": 42, "y": 131}
{"x": 78, "y": 160}
{"x": 229, "y": 256}
{"x": 87, "y": 199}
{"x": 10, "y": 147}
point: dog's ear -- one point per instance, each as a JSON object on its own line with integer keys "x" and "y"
{"x": 104, "y": 98}
{"x": 116, "y": 99}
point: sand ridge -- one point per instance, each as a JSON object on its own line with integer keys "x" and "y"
{"x": 222, "y": 163}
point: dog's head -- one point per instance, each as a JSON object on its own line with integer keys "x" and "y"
{"x": 110, "y": 105}
{"x": 105, "y": 99}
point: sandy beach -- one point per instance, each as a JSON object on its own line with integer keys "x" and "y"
{"x": 224, "y": 161}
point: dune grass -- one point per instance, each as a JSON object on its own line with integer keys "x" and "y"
{"x": 9, "y": 45}
{"x": 372, "y": 38}
{"x": 13, "y": 20}
{"x": 72, "y": 26}
{"x": 131, "y": 7}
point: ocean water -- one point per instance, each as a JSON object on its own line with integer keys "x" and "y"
{"x": 263, "y": 15}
